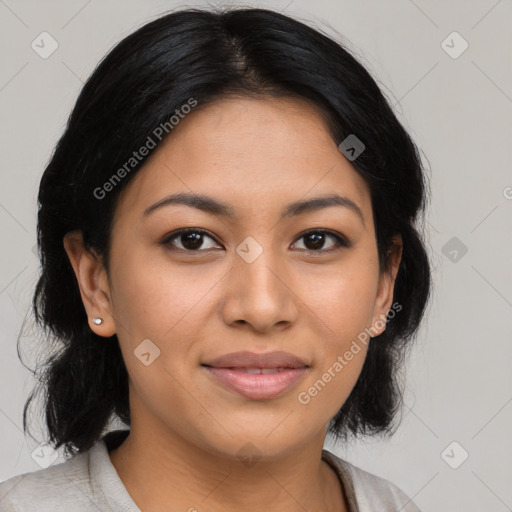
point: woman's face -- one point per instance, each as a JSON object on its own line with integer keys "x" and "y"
{"x": 249, "y": 281}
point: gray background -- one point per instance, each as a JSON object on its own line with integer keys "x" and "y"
{"x": 459, "y": 382}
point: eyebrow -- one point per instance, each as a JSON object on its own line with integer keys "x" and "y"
{"x": 215, "y": 207}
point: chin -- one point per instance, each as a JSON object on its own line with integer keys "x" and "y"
{"x": 255, "y": 442}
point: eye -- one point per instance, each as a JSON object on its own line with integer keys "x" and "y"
{"x": 190, "y": 239}
{"x": 315, "y": 240}
{"x": 193, "y": 240}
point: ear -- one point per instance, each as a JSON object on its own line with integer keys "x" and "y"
{"x": 387, "y": 285}
{"x": 92, "y": 282}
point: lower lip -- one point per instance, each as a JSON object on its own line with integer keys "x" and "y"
{"x": 258, "y": 386}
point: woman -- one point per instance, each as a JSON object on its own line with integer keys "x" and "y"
{"x": 231, "y": 267}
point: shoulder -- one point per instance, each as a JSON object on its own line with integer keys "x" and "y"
{"x": 63, "y": 487}
{"x": 368, "y": 492}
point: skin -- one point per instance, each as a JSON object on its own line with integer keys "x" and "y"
{"x": 257, "y": 155}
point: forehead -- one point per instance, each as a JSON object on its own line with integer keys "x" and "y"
{"x": 256, "y": 154}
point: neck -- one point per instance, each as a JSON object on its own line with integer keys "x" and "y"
{"x": 163, "y": 470}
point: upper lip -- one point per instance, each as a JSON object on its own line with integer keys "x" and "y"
{"x": 254, "y": 360}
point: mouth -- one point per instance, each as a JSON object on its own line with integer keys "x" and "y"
{"x": 257, "y": 376}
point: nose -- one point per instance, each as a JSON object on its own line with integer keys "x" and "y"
{"x": 260, "y": 294}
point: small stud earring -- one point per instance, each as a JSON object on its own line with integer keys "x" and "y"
{"x": 97, "y": 321}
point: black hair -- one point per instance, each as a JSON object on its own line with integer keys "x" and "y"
{"x": 209, "y": 55}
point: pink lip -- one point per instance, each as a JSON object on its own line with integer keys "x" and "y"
{"x": 260, "y": 386}
{"x": 257, "y": 360}
{"x": 229, "y": 370}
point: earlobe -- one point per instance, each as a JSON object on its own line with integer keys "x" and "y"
{"x": 89, "y": 273}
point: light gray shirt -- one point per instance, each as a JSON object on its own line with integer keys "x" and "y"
{"x": 88, "y": 482}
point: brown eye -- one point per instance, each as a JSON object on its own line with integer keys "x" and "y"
{"x": 314, "y": 241}
{"x": 196, "y": 240}
{"x": 189, "y": 240}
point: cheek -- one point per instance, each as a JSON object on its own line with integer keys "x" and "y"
{"x": 343, "y": 298}
{"x": 343, "y": 303}
{"x": 345, "y": 306}
{"x": 328, "y": 389}
{"x": 167, "y": 306}
{"x": 154, "y": 298}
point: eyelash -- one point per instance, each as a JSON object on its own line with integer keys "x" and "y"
{"x": 342, "y": 242}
